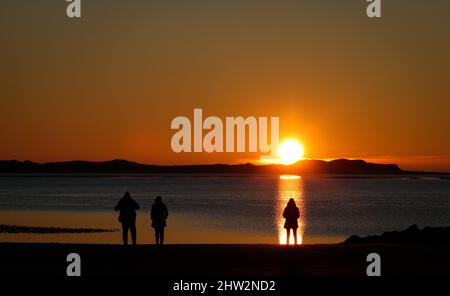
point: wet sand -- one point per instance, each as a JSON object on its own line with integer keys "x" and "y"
{"x": 182, "y": 229}
{"x": 223, "y": 260}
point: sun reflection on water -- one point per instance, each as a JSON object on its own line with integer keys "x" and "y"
{"x": 290, "y": 186}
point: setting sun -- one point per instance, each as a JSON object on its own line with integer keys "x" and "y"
{"x": 290, "y": 151}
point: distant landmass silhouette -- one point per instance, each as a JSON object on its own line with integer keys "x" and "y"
{"x": 412, "y": 235}
{"x": 338, "y": 166}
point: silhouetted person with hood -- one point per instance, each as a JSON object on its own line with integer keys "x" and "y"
{"x": 291, "y": 214}
{"x": 159, "y": 215}
{"x": 127, "y": 207}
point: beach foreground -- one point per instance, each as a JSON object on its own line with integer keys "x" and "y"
{"x": 223, "y": 260}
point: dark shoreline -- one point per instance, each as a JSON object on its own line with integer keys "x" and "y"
{"x": 7, "y": 228}
{"x": 338, "y": 260}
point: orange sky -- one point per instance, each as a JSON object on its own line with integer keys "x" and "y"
{"x": 108, "y": 85}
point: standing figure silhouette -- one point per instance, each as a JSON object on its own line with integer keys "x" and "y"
{"x": 127, "y": 207}
{"x": 159, "y": 215}
{"x": 291, "y": 214}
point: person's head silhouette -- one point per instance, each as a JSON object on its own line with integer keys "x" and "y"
{"x": 127, "y": 195}
{"x": 158, "y": 199}
{"x": 291, "y": 203}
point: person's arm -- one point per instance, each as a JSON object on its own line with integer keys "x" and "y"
{"x": 117, "y": 207}
{"x": 284, "y": 213}
{"x": 135, "y": 205}
{"x": 297, "y": 212}
{"x": 152, "y": 214}
{"x": 166, "y": 212}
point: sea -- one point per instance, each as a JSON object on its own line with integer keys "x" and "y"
{"x": 223, "y": 209}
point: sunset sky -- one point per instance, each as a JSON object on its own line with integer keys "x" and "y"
{"x": 108, "y": 85}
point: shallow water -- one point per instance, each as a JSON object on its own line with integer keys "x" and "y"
{"x": 224, "y": 208}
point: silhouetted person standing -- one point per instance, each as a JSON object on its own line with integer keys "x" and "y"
{"x": 127, "y": 207}
{"x": 159, "y": 215}
{"x": 291, "y": 214}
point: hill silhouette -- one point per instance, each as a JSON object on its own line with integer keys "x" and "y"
{"x": 339, "y": 166}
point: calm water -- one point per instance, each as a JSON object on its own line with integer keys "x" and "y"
{"x": 235, "y": 209}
